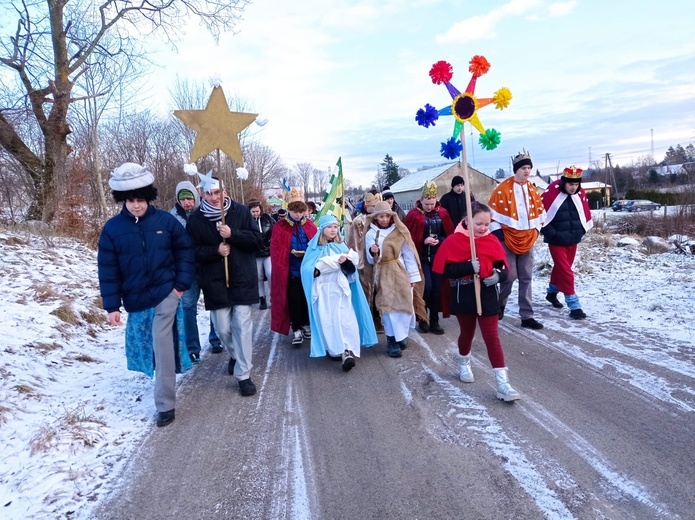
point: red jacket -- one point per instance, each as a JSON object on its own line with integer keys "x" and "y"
{"x": 280, "y": 259}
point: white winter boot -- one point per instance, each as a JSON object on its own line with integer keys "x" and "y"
{"x": 504, "y": 389}
{"x": 465, "y": 372}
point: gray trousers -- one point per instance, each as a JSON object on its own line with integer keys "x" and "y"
{"x": 164, "y": 353}
{"x": 521, "y": 268}
{"x": 235, "y": 329}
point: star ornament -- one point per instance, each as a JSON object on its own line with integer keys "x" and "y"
{"x": 216, "y": 127}
{"x": 464, "y": 106}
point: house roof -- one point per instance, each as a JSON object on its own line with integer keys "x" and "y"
{"x": 415, "y": 181}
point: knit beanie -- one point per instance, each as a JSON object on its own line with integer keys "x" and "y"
{"x": 130, "y": 176}
{"x": 456, "y": 180}
{"x": 185, "y": 194}
{"x": 522, "y": 159}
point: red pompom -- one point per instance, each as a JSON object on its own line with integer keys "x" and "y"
{"x": 441, "y": 72}
{"x": 479, "y": 66}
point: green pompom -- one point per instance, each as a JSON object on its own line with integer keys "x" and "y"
{"x": 490, "y": 139}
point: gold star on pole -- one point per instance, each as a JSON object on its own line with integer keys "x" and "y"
{"x": 217, "y": 127}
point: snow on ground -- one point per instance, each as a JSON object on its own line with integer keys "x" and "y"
{"x": 71, "y": 414}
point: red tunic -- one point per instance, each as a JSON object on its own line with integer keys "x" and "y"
{"x": 280, "y": 258}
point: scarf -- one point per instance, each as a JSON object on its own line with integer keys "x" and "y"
{"x": 213, "y": 212}
{"x": 457, "y": 248}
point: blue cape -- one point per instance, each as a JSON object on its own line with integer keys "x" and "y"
{"x": 365, "y": 320}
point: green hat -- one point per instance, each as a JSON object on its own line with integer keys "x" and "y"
{"x": 185, "y": 194}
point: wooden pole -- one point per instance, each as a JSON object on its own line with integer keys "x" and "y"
{"x": 469, "y": 211}
{"x": 222, "y": 220}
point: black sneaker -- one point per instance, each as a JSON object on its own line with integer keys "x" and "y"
{"x": 501, "y": 314}
{"x": 435, "y": 328}
{"x": 530, "y": 323}
{"x": 247, "y": 388}
{"x": 195, "y": 357}
{"x": 216, "y": 349}
{"x": 577, "y": 314}
{"x": 348, "y": 360}
{"x": 552, "y": 298}
{"x": 165, "y": 418}
{"x": 230, "y": 366}
{"x": 423, "y": 326}
{"x": 263, "y": 305}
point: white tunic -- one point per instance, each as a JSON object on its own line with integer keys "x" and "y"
{"x": 396, "y": 324}
{"x": 332, "y": 304}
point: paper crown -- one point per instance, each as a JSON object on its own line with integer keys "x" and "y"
{"x": 296, "y": 195}
{"x": 429, "y": 190}
{"x": 572, "y": 172}
{"x": 521, "y": 159}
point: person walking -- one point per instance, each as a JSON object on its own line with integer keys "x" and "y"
{"x": 264, "y": 223}
{"x": 454, "y": 201}
{"x": 429, "y": 224}
{"x": 397, "y": 276}
{"x": 455, "y": 262}
{"x": 226, "y": 262}
{"x": 389, "y": 197}
{"x": 518, "y": 214}
{"x": 146, "y": 263}
{"x": 340, "y": 317}
{"x": 568, "y": 220}
{"x": 288, "y": 243}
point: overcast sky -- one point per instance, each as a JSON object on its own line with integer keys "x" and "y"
{"x": 345, "y": 78}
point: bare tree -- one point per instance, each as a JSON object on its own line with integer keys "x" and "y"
{"x": 321, "y": 178}
{"x": 53, "y": 45}
{"x": 264, "y": 165}
{"x": 303, "y": 172}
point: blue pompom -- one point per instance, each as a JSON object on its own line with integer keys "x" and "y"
{"x": 427, "y": 116}
{"x": 451, "y": 149}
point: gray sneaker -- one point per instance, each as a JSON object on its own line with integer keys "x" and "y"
{"x": 297, "y": 337}
{"x": 348, "y": 360}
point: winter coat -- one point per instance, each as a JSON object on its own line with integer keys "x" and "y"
{"x": 436, "y": 222}
{"x": 453, "y": 261}
{"x": 141, "y": 260}
{"x": 178, "y": 210}
{"x": 565, "y": 229}
{"x": 455, "y": 204}
{"x": 244, "y": 243}
{"x": 266, "y": 231}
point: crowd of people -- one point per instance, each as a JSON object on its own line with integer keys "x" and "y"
{"x": 391, "y": 272}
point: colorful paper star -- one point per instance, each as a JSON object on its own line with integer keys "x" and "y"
{"x": 217, "y": 127}
{"x": 464, "y": 106}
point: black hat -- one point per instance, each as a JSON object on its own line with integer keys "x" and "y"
{"x": 522, "y": 159}
{"x": 387, "y": 195}
{"x": 456, "y": 180}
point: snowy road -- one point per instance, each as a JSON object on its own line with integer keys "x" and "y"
{"x": 604, "y": 430}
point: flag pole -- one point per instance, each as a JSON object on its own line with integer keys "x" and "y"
{"x": 222, "y": 219}
{"x": 469, "y": 210}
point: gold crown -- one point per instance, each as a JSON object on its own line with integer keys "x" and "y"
{"x": 572, "y": 172}
{"x": 296, "y": 195}
{"x": 429, "y": 190}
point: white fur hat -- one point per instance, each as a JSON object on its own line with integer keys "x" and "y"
{"x": 130, "y": 176}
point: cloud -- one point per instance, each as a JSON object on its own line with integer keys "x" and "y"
{"x": 561, "y": 8}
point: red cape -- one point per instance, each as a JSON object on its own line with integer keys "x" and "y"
{"x": 457, "y": 248}
{"x": 415, "y": 222}
{"x": 280, "y": 258}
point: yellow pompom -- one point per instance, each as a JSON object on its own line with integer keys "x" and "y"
{"x": 502, "y": 98}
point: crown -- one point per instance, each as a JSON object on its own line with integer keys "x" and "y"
{"x": 522, "y": 159}
{"x": 572, "y": 172}
{"x": 429, "y": 190}
{"x": 296, "y": 195}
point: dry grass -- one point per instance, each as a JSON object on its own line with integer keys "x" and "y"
{"x": 86, "y": 358}
{"x": 14, "y": 241}
{"x": 65, "y": 314}
{"x": 43, "y": 292}
{"x": 25, "y": 389}
{"x": 76, "y": 427}
{"x": 44, "y": 347}
{"x": 93, "y": 316}
{"x": 4, "y": 411}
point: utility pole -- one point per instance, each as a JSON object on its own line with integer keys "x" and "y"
{"x": 609, "y": 169}
{"x": 652, "y": 133}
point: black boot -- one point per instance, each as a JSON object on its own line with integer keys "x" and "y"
{"x": 393, "y": 346}
{"x": 552, "y": 298}
{"x": 423, "y": 326}
{"x": 435, "y": 328}
{"x": 263, "y": 305}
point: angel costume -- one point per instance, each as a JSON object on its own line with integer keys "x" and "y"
{"x": 338, "y": 311}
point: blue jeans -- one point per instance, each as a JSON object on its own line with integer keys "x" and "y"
{"x": 190, "y": 318}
